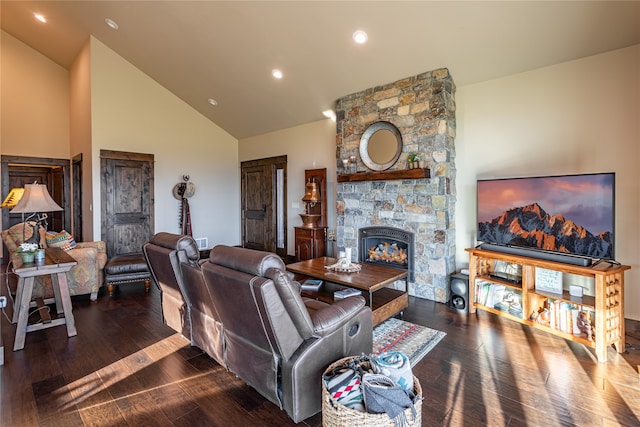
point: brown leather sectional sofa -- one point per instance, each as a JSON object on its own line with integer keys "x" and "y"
{"x": 244, "y": 309}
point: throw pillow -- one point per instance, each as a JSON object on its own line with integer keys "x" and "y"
{"x": 62, "y": 240}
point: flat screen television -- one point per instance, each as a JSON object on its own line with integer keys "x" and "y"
{"x": 570, "y": 214}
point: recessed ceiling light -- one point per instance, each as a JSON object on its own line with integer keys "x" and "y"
{"x": 360, "y": 37}
{"x": 40, "y": 17}
{"x": 212, "y": 101}
{"x": 111, "y": 23}
{"x": 276, "y": 73}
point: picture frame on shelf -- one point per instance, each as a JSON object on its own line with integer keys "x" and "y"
{"x": 548, "y": 281}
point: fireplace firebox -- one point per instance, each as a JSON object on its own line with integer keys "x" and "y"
{"x": 388, "y": 246}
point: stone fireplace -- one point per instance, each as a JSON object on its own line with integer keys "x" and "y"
{"x": 422, "y": 107}
{"x": 387, "y": 246}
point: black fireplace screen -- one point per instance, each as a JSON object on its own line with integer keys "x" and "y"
{"x": 388, "y": 246}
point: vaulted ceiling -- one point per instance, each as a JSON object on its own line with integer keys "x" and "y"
{"x": 226, "y": 50}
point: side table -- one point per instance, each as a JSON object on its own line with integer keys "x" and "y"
{"x": 56, "y": 263}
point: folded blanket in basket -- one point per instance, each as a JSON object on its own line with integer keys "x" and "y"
{"x": 395, "y": 365}
{"x": 343, "y": 384}
{"x": 382, "y": 395}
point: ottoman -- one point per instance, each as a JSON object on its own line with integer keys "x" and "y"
{"x": 126, "y": 268}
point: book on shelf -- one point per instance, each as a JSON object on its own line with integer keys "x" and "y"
{"x": 345, "y": 293}
{"x": 499, "y": 297}
{"x": 311, "y": 285}
{"x": 563, "y": 316}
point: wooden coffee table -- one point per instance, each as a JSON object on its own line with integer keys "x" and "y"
{"x": 372, "y": 280}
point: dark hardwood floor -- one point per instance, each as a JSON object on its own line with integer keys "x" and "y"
{"x": 125, "y": 368}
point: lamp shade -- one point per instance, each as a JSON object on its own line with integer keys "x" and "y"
{"x": 36, "y": 198}
{"x": 13, "y": 198}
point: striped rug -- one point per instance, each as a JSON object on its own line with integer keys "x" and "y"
{"x": 413, "y": 340}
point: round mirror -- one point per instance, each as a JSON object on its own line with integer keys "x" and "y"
{"x": 380, "y": 146}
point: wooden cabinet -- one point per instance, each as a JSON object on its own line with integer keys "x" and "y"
{"x": 310, "y": 243}
{"x": 552, "y": 312}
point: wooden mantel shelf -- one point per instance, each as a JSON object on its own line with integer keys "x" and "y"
{"x": 385, "y": 175}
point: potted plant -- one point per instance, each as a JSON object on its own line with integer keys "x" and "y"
{"x": 419, "y": 160}
{"x": 411, "y": 160}
{"x": 28, "y": 251}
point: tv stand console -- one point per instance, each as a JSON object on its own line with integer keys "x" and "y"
{"x": 557, "y": 313}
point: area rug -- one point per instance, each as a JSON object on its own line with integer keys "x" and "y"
{"x": 413, "y": 340}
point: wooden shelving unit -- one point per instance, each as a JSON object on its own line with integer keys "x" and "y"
{"x": 385, "y": 175}
{"x": 607, "y": 301}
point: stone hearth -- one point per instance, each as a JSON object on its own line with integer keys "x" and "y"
{"x": 423, "y": 109}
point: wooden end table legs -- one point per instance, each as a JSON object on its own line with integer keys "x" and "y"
{"x": 23, "y": 300}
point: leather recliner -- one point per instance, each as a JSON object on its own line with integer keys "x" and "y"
{"x": 187, "y": 308}
{"x": 173, "y": 260}
{"x": 207, "y": 332}
{"x": 275, "y": 341}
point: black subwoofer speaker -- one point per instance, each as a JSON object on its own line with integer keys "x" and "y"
{"x": 459, "y": 292}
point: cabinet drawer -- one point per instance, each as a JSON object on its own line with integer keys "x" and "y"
{"x": 303, "y": 233}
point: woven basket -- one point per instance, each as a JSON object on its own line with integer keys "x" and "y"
{"x": 335, "y": 414}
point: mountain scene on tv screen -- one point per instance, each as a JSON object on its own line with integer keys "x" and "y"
{"x": 531, "y": 226}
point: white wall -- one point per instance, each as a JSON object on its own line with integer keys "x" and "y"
{"x": 310, "y": 146}
{"x": 132, "y": 112}
{"x": 577, "y": 117}
{"x": 34, "y": 103}
{"x": 80, "y": 126}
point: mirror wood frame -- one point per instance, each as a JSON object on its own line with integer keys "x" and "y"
{"x": 367, "y": 139}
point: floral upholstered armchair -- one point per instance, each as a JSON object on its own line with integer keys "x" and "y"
{"x": 84, "y": 278}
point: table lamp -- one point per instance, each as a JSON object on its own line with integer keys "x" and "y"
{"x": 36, "y": 199}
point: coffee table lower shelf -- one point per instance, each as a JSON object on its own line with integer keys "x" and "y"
{"x": 387, "y": 302}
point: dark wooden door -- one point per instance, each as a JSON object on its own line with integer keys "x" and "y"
{"x": 56, "y": 189}
{"x": 262, "y": 204}
{"x": 76, "y": 165}
{"x": 127, "y": 201}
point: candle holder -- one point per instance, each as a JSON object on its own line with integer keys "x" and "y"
{"x": 345, "y": 165}
{"x": 353, "y": 163}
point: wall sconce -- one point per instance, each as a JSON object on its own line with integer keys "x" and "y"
{"x": 310, "y": 199}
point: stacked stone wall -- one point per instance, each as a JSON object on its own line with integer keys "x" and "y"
{"x": 423, "y": 109}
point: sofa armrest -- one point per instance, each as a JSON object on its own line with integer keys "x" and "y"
{"x": 83, "y": 255}
{"x": 302, "y": 373}
{"x": 334, "y": 316}
{"x": 100, "y": 246}
{"x": 101, "y": 250}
